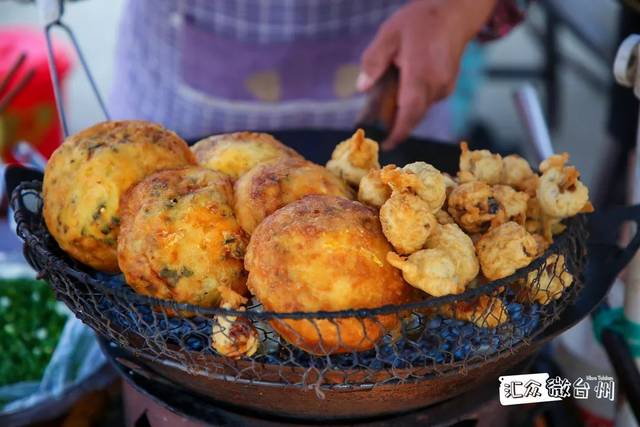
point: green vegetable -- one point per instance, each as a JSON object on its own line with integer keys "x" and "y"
{"x": 30, "y": 326}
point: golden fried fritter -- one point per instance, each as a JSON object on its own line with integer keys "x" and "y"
{"x": 515, "y": 171}
{"x": 513, "y": 204}
{"x": 179, "y": 239}
{"x": 86, "y": 176}
{"x": 233, "y": 336}
{"x": 419, "y": 178}
{"x": 236, "y": 153}
{"x": 274, "y": 184}
{"x": 560, "y": 192}
{"x": 354, "y": 157}
{"x": 547, "y": 283}
{"x": 479, "y": 165}
{"x": 473, "y": 206}
{"x": 325, "y": 253}
{"x": 484, "y": 312}
{"x": 452, "y": 240}
{"x": 430, "y": 270}
{"x": 504, "y": 249}
{"x": 372, "y": 191}
{"x": 407, "y": 222}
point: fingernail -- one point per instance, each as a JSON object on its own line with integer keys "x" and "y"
{"x": 363, "y": 82}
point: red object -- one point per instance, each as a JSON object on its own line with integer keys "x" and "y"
{"x": 32, "y": 115}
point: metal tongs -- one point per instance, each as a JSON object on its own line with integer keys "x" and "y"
{"x": 51, "y": 12}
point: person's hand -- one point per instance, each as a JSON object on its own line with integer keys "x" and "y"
{"x": 425, "y": 39}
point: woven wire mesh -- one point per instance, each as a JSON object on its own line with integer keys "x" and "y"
{"x": 435, "y": 336}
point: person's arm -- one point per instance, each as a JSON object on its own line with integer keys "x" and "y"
{"x": 425, "y": 39}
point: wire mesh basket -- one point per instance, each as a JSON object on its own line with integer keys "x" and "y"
{"x": 396, "y": 343}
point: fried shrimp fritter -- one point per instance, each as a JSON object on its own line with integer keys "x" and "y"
{"x": 236, "y": 153}
{"x": 479, "y": 165}
{"x": 88, "y": 173}
{"x": 515, "y": 171}
{"x": 354, "y": 157}
{"x": 473, "y": 206}
{"x": 430, "y": 270}
{"x": 419, "y": 178}
{"x": 179, "y": 239}
{"x": 560, "y": 192}
{"x": 372, "y": 191}
{"x": 274, "y": 184}
{"x": 325, "y": 253}
{"x": 504, "y": 249}
{"x": 407, "y": 222}
{"x": 452, "y": 240}
{"x": 233, "y": 336}
{"x": 548, "y": 283}
{"x": 513, "y": 204}
{"x": 484, "y": 312}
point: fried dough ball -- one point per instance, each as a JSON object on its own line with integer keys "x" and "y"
{"x": 479, "y": 165}
{"x": 274, "y": 184}
{"x": 504, "y": 249}
{"x": 513, "y": 204}
{"x": 233, "y": 336}
{"x": 515, "y": 171}
{"x": 560, "y": 192}
{"x": 236, "y": 153}
{"x": 407, "y": 222}
{"x": 88, "y": 173}
{"x": 372, "y": 191}
{"x": 430, "y": 270}
{"x": 484, "y": 312}
{"x": 179, "y": 239}
{"x": 548, "y": 283}
{"x": 419, "y": 178}
{"x": 473, "y": 206}
{"x": 354, "y": 157}
{"x": 452, "y": 240}
{"x": 325, "y": 253}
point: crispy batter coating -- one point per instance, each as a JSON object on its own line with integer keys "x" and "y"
{"x": 449, "y": 183}
{"x": 538, "y": 223}
{"x": 179, "y": 239}
{"x": 504, "y": 249}
{"x": 430, "y": 270}
{"x": 233, "y": 336}
{"x": 354, "y": 157}
{"x": 407, "y": 222}
{"x": 236, "y": 153}
{"x": 443, "y": 217}
{"x": 325, "y": 253}
{"x": 513, "y": 204}
{"x": 419, "y": 178}
{"x": 484, "y": 312}
{"x": 88, "y": 173}
{"x": 274, "y": 184}
{"x": 515, "y": 171}
{"x": 479, "y": 165}
{"x": 452, "y": 240}
{"x": 372, "y": 191}
{"x": 560, "y": 192}
{"x": 548, "y": 283}
{"x": 473, "y": 206}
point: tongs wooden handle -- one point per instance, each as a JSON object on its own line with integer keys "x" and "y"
{"x": 381, "y": 103}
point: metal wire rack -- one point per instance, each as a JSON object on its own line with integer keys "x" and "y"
{"x": 396, "y": 343}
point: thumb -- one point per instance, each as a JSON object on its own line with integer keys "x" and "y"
{"x": 376, "y": 58}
